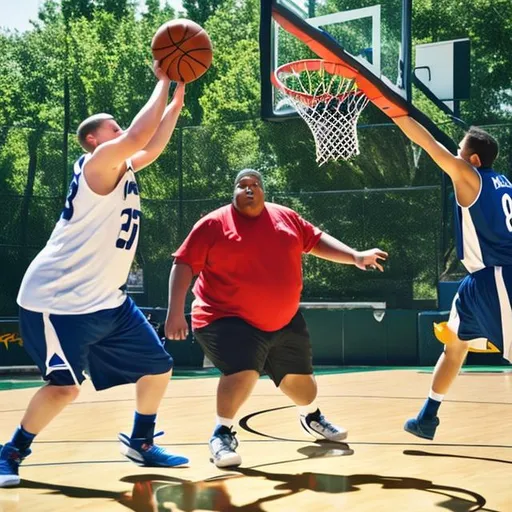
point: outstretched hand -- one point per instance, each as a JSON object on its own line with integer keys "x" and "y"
{"x": 159, "y": 72}
{"x": 370, "y": 259}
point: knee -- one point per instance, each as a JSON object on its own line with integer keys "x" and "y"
{"x": 65, "y": 393}
{"x": 456, "y": 350}
{"x": 305, "y": 383}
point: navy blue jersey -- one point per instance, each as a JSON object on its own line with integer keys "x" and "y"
{"x": 483, "y": 230}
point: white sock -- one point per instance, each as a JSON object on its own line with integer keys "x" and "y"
{"x": 304, "y": 410}
{"x": 435, "y": 396}
{"x": 226, "y": 422}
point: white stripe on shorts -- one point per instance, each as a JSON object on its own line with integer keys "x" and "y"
{"x": 53, "y": 347}
{"x": 506, "y": 313}
{"x": 454, "y": 324}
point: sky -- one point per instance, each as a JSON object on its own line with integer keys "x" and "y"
{"x": 16, "y": 14}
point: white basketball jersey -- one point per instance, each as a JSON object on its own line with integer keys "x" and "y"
{"x": 86, "y": 261}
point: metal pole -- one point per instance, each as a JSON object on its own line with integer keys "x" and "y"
{"x": 311, "y": 8}
{"x": 180, "y": 183}
{"x": 405, "y": 64}
{"x": 67, "y": 116}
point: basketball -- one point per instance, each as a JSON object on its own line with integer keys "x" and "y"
{"x": 183, "y": 49}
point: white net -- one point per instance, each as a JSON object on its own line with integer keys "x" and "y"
{"x": 330, "y": 104}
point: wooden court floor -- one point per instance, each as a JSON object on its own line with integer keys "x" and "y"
{"x": 76, "y": 464}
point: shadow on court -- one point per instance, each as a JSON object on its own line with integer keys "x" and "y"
{"x": 214, "y": 495}
{"x": 157, "y": 493}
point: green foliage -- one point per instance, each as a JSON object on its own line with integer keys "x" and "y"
{"x": 201, "y": 10}
{"x": 102, "y": 47}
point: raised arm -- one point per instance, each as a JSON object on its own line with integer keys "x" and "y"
{"x": 330, "y": 248}
{"x": 163, "y": 133}
{"x": 102, "y": 169}
{"x": 463, "y": 175}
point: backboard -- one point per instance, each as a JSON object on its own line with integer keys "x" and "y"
{"x": 376, "y": 34}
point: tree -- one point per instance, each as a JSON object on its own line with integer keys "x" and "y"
{"x": 201, "y": 10}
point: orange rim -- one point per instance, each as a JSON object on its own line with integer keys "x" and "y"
{"x": 299, "y": 66}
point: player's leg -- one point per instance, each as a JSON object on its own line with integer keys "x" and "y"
{"x": 232, "y": 392}
{"x": 56, "y": 352}
{"x": 475, "y": 317}
{"x": 289, "y": 364}
{"x": 133, "y": 353}
{"x": 239, "y": 351}
{"x": 446, "y": 370}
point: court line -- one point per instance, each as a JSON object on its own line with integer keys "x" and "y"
{"x": 244, "y": 424}
{"x": 89, "y": 402}
{"x": 274, "y": 439}
{"x": 419, "y": 453}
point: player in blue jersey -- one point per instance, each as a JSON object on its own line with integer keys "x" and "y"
{"x": 74, "y": 313}
{"x": 481, "y": 309}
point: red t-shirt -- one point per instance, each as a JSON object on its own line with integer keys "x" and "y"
{"x": 248, "y": 267}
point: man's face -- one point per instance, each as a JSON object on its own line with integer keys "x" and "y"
{"x": 108, "y": 130}
{"x": 249, "y": 198}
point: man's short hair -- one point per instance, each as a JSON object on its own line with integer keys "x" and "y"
{"x": 479, "y": 142}
{"x": 90, "y": 125}
{"x": 250, "y": 172}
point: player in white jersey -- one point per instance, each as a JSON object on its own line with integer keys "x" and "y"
{"x": 481, "y": 310}
{"x": 74, "y": 314}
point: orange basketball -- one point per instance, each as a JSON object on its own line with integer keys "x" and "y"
{"x": 183, "y": 49}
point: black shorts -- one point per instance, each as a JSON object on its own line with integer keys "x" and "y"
{"x": 233, "y": 345}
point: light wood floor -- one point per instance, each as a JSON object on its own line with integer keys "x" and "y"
{"x": 76, "y": 464}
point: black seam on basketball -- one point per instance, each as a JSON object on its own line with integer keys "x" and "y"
{"x": 170, "y": 36}
{"x": 178, "y": 43}
{"x": 193, "y": 58}
{"x": 178, "y": 67}
{"x": 169, "y": 54}
{"x": 191, "y": 69}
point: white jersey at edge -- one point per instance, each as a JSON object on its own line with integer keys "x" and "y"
{"x": 90, "y": 251}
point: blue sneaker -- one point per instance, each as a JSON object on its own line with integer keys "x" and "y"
{"x": 149, "y": 455}
{"x": 422, "y": 427}
{"x": 10, "y": 460}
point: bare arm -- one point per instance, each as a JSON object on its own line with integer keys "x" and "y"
{"x": 464, "y": 177}
{"x": 330, "y": 248}
{"x": 163, "y": 133}
{"x": 180, "y": 279}
{"x": 102, "y": 169}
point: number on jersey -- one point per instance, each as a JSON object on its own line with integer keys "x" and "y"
{"x": 506, "y": 203}
{"x": 129, "y": 228}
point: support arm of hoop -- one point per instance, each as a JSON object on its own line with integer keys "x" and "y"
{"x": 390, "y": 102}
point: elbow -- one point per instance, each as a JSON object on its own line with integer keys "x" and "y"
{"x": 138, "y": 138}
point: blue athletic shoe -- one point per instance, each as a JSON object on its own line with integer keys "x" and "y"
{"x": 10, "y": 460}
{"x": 424, "y": 428}
{"x": 149, "y": 455}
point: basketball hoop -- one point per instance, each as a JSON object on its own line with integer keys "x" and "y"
{"x": 326, "y": 96}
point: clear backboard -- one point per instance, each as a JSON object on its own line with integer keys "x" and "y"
{"x": 378, "y": 35}
{"x": 374, "y": 33}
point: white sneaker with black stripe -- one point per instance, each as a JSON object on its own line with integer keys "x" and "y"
{"x": 316, "y": 425}
{"x": 223, "y": 444}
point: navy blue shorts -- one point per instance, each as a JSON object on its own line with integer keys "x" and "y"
{"x": 112, "y": 346}
{"x": 481, "y": 310}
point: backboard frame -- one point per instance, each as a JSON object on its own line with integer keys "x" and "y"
{"x": 269, "y": 39}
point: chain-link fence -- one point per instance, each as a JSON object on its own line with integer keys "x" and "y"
{"x": 391, "y": 196}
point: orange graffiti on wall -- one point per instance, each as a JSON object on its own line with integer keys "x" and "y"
{"x": 11, "y": 337}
